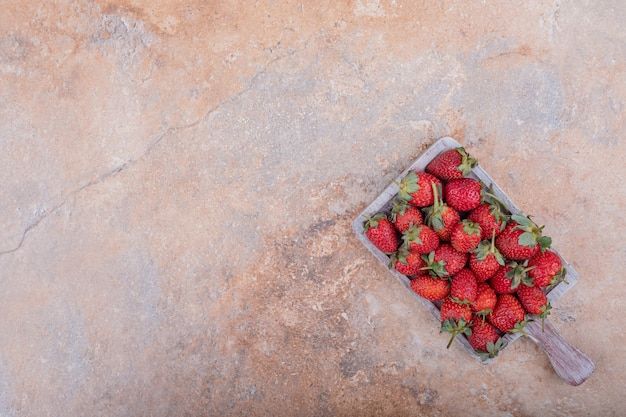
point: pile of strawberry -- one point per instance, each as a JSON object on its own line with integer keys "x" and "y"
{"x": 486, "y": 269}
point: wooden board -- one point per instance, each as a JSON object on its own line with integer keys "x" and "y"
{"x": 571, "y": 364}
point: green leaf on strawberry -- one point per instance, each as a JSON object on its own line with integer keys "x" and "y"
{"x": 493, "y": 349}
{"x": 558, "y": 277}
{"x": 456, "y": 327}
{"x": 518, "y": 274}
{"x": 527, "y": 239}
{"x": 408, "y": 185}
{"x": 435, "y": 269}
{"x": 532, "y": 234}
{"x": 519, "y": 326}
{"x": 544, "y": 243}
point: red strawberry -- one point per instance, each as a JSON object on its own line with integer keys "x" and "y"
{"x": 441, "y": 217}
{"x": 455, "y": 311}
{"x": 455, "y": 318}
{"x": 484, "y": 338}
{"x": 433, "y": 289}
{"x": 508, "y": 278}
{"x": 465, "y": 236}
{"x": 463, "y": 194}
{"x": 445, "y": 261}
{"x": 450, "y": 164}
{"x": 521, "y": 238}
{"x": 500, "y": 283}
{"x": 420, "y": 239}
{"x": 548, "y": 268}
{"x": 408, "y": 263}
{"x": 416, "y": 188}
{"x": 508, "y": 315}
{"x": 485, "y": 260}
{"x": 490, "y": 218}
{"x": 485, "y": 300}
{"x": 534, "y": 301}
{"x": 404, "y": 215}
{"x": 464, "y": 287}
{"x": 381, "y": 233}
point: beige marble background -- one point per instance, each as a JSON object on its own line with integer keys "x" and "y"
{"x": 179, "y": 178}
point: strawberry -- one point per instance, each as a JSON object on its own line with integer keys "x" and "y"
{"x": 463, "y": 194}
{"x": 484, "y": 339}
{"x": 465, "y": 236}
{"x": 420, "y": 239}
{"x": 500, "y": 283}
{"x": 521, "y": 238}
{"x": 485, "y": 300}
{"x": 441, "y": 217}
{"x": 433, "y": 289}
{"x": 508, "y": 278}
{"x": 485, "y": 260}
{"x": 450, "y": 164}
{"x": 404, "y": 215}
{"x": 455, "y": 318}
{"x": 408, "y": 263}
{"x": 464, "y": 287}
{"x": 416, "y": 188}
{"x": 490, "y": 218}
{"x": 534, "y": 301}
{"x": 445, "y": 261}
{"x": 548, "y": 268}
{"x": 508, "y": 315}
{"x": 381, "y": 232}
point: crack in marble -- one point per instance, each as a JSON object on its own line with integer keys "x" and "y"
{"x": 167, "y": 132}
{"x": 117, "y": 170}
{"x": 356, "y": 68}
{"x": 102, "y": 178}
{"x": 32, "y": 226}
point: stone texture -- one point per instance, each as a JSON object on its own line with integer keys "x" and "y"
{"x": 179, "y": 181}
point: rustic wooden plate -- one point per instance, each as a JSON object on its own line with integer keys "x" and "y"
{"x": 569, "y": 362}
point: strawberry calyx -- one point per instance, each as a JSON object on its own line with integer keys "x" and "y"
{"x": 486, "y": 247}
{"x": 489, "y": 196}
{"x": 498, "y": 209}
{"x": 467, "y": 162}
{"x": 434, "y": 213}
{"x": 483, "y": 313}
{"x": 399, "y": 207}
{"x": 400, "y": 255}
{"x": 520, "y": 326}
{"x": 395, "y": 257}
{"x": 558, "y": 277}
{"x": 456, "y": 327}
{"x": 532, "y": 234}
{"x": 435, "y": 269}
{"x": 518, "y": 274}
{"x": 493, "y": 349}
{"x": 470, "y": 228}
{"x": 407, "y": 186}
{"x": 461, "y": 300}
{"x": 412, "y": 235}
{"x": 545, "y": 312}
{"x": 372, "y": 222}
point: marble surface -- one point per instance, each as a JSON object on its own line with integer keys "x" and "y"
{"x": 179, "y": 180}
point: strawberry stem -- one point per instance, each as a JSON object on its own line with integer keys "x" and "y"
{"x": 455, "y": 328}
{"x": 467, "y": 162}
{"x": 450, "y": 341}
{"x": 433, "y": 213}
{"x": 489, "y": 197}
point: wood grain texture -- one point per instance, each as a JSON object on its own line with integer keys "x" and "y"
{"x": 569, "y": 362}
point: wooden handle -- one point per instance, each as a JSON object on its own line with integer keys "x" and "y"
{"x": 569, "y": 363}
